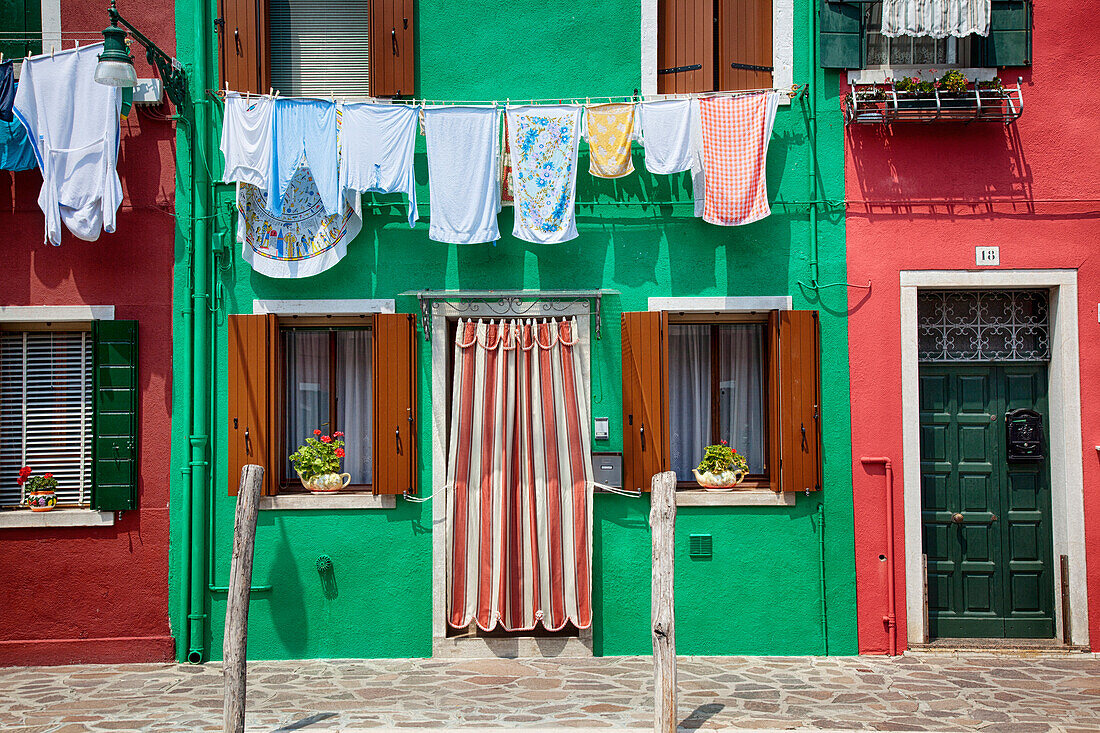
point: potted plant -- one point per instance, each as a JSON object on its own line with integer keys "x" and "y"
{"x": 721, "y": 469}
{"x": 953, "y": 88}
{"x": 41, "y": 491}
{"x": 318, "y": 463}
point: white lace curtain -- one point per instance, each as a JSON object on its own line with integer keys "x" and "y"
{"x": 935, "y": 18}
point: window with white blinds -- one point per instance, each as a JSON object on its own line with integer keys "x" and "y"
{"x": 319, "y": 47}
{"x": 46, "y": 411}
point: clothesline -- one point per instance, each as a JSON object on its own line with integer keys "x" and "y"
{"x": 792, "y": 92}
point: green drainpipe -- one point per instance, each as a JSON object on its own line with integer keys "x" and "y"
{"x": 200, "y": 432}
{"x": 815, "y": 186}
{"x": 188, "y": 314}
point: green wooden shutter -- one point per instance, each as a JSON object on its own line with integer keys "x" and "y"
{"x": 840, "y": 42}
{"x": 21, "y": 24}
{"x": 1009, "y": 39}
{"x": 114, "y": 415}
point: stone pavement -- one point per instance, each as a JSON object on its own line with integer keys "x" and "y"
{"x": 917, "y": 692}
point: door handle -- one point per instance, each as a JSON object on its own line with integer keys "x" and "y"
{"x": 959, "y": 518}
{"x": 641, "y": 430}
{"x": 247, "y": 442}
{"x": 393, "y": 40}
{"x": 397, "y": 439}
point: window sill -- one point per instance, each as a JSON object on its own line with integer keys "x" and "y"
{"x": 753, "y": 497}
{"x": 879, "y": 74}
{"x": 26, "y": 519}
{"x": 323, "y": 501}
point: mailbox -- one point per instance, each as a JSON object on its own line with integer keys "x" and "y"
{"x": 607, "y": 469}
{"x": 1024, "y": 432}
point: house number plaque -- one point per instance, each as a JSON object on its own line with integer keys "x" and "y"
{"x": 1024, "y": 430}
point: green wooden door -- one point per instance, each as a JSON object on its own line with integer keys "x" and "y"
{"x": 986, "y": 522}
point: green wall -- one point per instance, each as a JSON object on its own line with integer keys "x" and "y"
{"x": 761, "y": 591}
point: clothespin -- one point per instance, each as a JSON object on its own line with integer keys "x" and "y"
{"x": 52, "y": 49}
{"x": 77, "y": 43}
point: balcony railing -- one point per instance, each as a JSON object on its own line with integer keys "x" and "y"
{"x": 881, "y": 104}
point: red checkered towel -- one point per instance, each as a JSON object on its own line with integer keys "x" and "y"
{"x": 736, "y": 131}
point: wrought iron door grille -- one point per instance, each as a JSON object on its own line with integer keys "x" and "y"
{"x": 983, "y": 325}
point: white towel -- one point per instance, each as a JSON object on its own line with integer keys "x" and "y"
{"x": 666, "y": 135}
{"x": 544, "y": 169}
{"x": 247, "y": 134}
{"x": 463, "y": 174}
{"x": 73, "y": 124}
{"x": 377, "y": 142}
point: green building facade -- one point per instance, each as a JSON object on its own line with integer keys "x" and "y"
{"x": 780, "y": 580}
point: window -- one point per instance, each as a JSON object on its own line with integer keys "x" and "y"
{"x": 308, "y": 58}
{"x": 68, "y": 406}
{"x": 319, "y": 47}
{"x": 693, "y": 379}
{"x": 289, "y": 376}
{"x": 849, "y": 38}
{"x": 717, "y": 392}
{"x": 707, "y": 45}
{"x": 46, "y": 411}
{"x": 329, "y": 373}
{"x": 911, "y": 51}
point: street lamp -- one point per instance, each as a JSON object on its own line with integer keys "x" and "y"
{"x": 116, "y": 65}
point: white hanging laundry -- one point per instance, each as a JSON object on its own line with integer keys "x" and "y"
{"x": 698, "y": 176}
{"x": 935, "y": 18}
{"x": 463, "y": 177}
{"x": 377, "y": 142}
{"x": 248, "y": 131}
{"x": 73, "y": 125}
{"x": 666, "y": 135}
{"x": 301, "y": 240}
{"x": 544, "y": 168}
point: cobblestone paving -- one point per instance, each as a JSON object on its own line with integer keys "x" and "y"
{"x": 926, "y": 692}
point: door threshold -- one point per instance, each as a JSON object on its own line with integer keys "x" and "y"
{"x": 996, "y": 646}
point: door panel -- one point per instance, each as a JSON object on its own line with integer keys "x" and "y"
{"x": 986, "y": 523}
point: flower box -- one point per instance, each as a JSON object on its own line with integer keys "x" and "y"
{"x": 890, "y": 102}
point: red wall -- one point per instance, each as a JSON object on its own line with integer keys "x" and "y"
{"x": 922, "y": 197}
{"x": 101, "y": 594}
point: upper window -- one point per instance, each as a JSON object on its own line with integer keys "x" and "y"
{"x": 46, "y": 412}
{"x": 319, "y": 47}
{"x": 21, "y": 21}
{"x": 709, "y": 45}
{"x": 717, "y": 392}
{"x": 329, "y": 377}
{"x": 909, "y": 50}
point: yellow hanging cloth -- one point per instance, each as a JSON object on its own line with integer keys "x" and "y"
{"x": 609, "y": 130}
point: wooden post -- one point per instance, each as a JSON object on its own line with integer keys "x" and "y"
{"x": 662, "y": 522}
{"x": 236, "y": 609}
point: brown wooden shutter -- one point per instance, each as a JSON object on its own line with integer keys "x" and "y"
{"x": 244, "y": 46}
{"x": 395, "y": 377}
{"x": 392, "y": 48}
{"x": 252, "y": 341}
{"x": 685, "y": 40}
{"x": 744, "y": 39}
{"x": 645, "y": 398}
{"x": 799, "y": 401}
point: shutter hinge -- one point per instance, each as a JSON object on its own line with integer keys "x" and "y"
{"x": 678, "y": 69}
{"x": 219, "y": 25}
{"x": 751, "y": 67}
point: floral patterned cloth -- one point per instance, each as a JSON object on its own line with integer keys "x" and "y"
{"x": 544, "y": 156}
{"x": 609, "y": 128}
{"x": 301, "y": 241}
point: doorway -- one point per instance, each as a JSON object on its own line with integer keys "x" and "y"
{"x": 985, "y": 514}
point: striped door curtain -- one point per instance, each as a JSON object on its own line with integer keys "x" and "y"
{"x": 519, "y": 508}
{"x": 935, "y": 18}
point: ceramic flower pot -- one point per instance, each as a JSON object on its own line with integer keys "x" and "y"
{"x": 325, "y": 483}
{"x": 41, "y": 501}
{"x": 725, "y": 481}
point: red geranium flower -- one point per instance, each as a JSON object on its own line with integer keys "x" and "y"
{"x": 339, "y": 452}
{"x": 316, "y": 432}
{"x": 326, "y": 439}
{"x": 338, "y": 434}
{"x": 49, "y": 475}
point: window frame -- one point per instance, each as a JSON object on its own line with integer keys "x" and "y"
{"x": 769, "y": 480}
{"x": 782, "y": 47}
{"x": 284, "y": 482}
{"x": 88, "y": 436}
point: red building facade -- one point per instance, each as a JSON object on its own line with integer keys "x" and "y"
{"x": 975, "y": 286}
{"x": 83, "y": 585}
